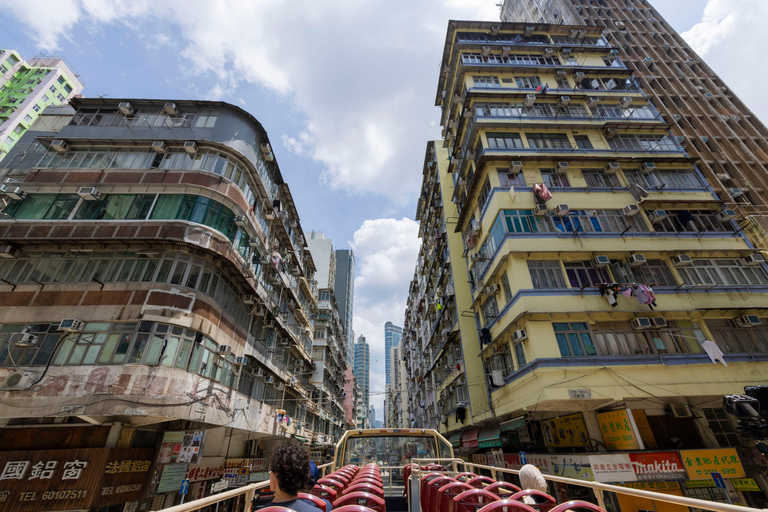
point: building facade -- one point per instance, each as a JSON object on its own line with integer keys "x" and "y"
{"x": 156, "y": 290}
{"x": 362, "y": 371}
{"x": 27, "y": 88}
{"x": 392, "y": 336}
{"x": 609, "y": 280}
{"x": 344, "y": 288}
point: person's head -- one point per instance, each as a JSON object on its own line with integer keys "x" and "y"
{"x": 531, "y": 478}
{"x": 289, "y": 468}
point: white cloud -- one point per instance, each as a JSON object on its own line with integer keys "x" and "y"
{"x": 717, "y": 22}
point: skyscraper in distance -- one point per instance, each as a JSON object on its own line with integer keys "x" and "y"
{"x": 362, "y": 375}
{"x": 392, "y": 336}
{"x": 344, "y": 289}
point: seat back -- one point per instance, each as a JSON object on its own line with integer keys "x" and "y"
{"x": 276, "y": 509}
{"x": 507, "y": 506}
{"x": 364, "y": 487}
{"x": 352, "y": 508}
{"x": 432, "y": 491}
{"x": 423, "y": 484}
{"x": 470, "y": 501}
{"x": 361, "y": 498}
{"x": 325, "y": 492}
{"x": 481, "y": 482}
{"x": 446, "y": 493}
{"x": 544, "y": 502}
{"x": 332, "y": 483}
{"x": 503, "y": 490}
{"x": 463, "y": 477}
{"x": 319, "y": 503}
{"x": 577, "y": 504}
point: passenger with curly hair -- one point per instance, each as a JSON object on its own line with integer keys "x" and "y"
{"x": 288, "y": 474}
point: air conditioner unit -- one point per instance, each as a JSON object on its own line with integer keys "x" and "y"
{"x": 549, "y": 52}
{"x": 641, "y": 323}
{"x": 626, "y": 101}
{"x": 224, "y": 349}
{"x": 612, "y": 167}
{"x": 648, "y": 167}
{"x": 15, "y": 193}
{"x": 505, "y": 51}
{"x": 530, "y": 99}
{"x": 736, "y": 192}
{"x": 601, "y": 261}
{"x": 89, "y": 193}
{"x": 540, "y": 210}
{"x": 723, "y": 176}
{"x": 659, "y": 321}
{"x": 579, "y": 76}
{"x": 610, "y": 133}
{"x": 636, "y": 260}
{"x": 630, "y": 210}
{"x": 266, "y": 151}
{"x": 682, "y": 260}
{"x": 592, "y": 102}
{"x": 516, "y": 166}
{"x": 240, "y": 221}
{"x": 170, "y": 109}
{"x": 19, "y": 380}
{"x": 279, "y": 386}
{"x": 486, "y": 51}
{"x": 564, "y": 101}
{"x": 125, "y": 108}
{"x": 59, "y": 145}
{"x": 753, "y": 259}
{"x": 726, "y": 214}
{"x": 657, "y": 215}
{"x": 562, "y": 167}
{"x": 250, "y": 270}
{"x": 159, "y": 146}
{"x": 528, "y": 31}
{"x": 190, "y": 147}
{"x": 9, "y": 252}
{"x": 270, "y": 380}
{"x": 491, "y": 290}
{"x": 22, "y": 338}
{"x": 747, "y": 321}
{"x": 520, "y": 335}
{"x": 561, "y": 210}
{"x": 471, "y": 155}
{"x": 619, "y": 25}
{"x": 566, "y": 51}
{"x": 71, "y": 325}
{"x": 249, "y": 299}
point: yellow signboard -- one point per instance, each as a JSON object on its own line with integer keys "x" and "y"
{"x": 653, "y": 486}
{"x": 745, "y": 484}
{"x": 619, "y": 430}
{"x": 566, "y": 431}
{"x": 700, "y": 484}
{"x": 701, "y": 463}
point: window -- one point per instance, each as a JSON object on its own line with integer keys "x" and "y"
{"x": 46, "y": 98}
{"x": 31, "y": 81}
{"x": 619, "y": 339}
{"x": 573, "y": 339}
{"x": 490, "y": 310}
{"x": 60, "y": 97}
{"x": 553, "y": 179}
{"x": 510, "y": 179}
{"x": 691, "y": 220}
{"x": 28, "y": 118}
{"x": 206, "y": 119}
{"x": 597, "y": 178}
{"x": 582, "y": 142}
{"x": 581, "y": 274}
{"x": 486, "y": 81}
{"x": 9, "y": 140}
{"x": 733, "y": 340}
{"x": 506, "y": 288}
{"x": 485, "y": 194}
{"x": 548, "y": 140}
{"x": 36, "y": 107}
{"x": 504, "y": 140}
{"x": 637, "y": 142}
{"x": 18, "y": 128}
{"x": 52, "y": 89}
{"x": 325, "y": 295}
{"x": 61, "y": 80}
{"x": 520, "y": 354}
{"x": 67, "y": 88}
{"x": 722, "y": 271}
{"x": 653, "y": 273}
{"x": 546, "y": 274}
{"x": 721, "y": 427}
{"x": 528, "y": 82}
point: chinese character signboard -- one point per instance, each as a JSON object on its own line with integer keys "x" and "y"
{"x": 658, "y": 466}
{"x": 542, "y": 462}
{"x": 745, "y": 484}
{"x": 170, "y": 477}
{"x": 612, "y": 468}
{"x": 566, "y": 431}
{"x": 572, "y": 466}
{"x": 512, "y": 461}
{"x": 700, "y": 463}
{"x": 619, "y": 430}
{"x": 669, "y": 487}
{"x": 200, "y": 473}
{"x": 181, "y": 446}
{"x": 32, "y": 481}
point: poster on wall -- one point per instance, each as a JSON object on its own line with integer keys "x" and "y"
{"x": 619, "y": 430}
{"x": 658, "y": 466}
{"x": 701, "y": 463}
{"x": 565, "y": 431}
{"x": 183, "y": 446}
{"x": 572, "y": 466}
{"x": 612, "y": 468}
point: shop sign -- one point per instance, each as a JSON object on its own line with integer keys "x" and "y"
{"x": 479, "y": 458}
{"x": 612, "y": 468}
{"x": 232, "y": 471}
{"x": 181, "y": 447}
{"x": 619, "y": 430}
{"x": 496, "y": 459}
{"x": 566, "y": 431}
{"x": 199, "y": 473}
{"x": 653, "y": 486}
{"x": 36, "y": 480}
{"x": 512, "y": 461}
{"x": 171, "y": 477}
{"x": 572, "y": 466}
{"x": 745, "y": 484}
{"x": 658, "y": 466}
{"x": 258, "y": 465}
{"x": 700, "y": 463}
{"x": 543, "y": 462}
{"x": 699, "y": 484}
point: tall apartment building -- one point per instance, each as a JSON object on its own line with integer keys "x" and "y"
{"x": 27, "y": 88}
{"x": 362, "y": 370}
{"x": 396, "y": 404}
{"x": 606, "y": 274}
{"x": 324, "y": 257}
{"x": 156, "y": 290}
{"x": 344, "y": 289}
{"x": 392, "y": 336}
{"x": 729, "y": 143}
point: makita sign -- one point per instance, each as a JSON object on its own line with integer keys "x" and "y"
{"x": 658, "y": 466}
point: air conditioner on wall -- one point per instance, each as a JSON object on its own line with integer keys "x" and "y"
{"x": 636, "y": 260}
{"x": 170, "y": 109}
{"x": 224, "y": 349}
{"x": 19, "y": 380}
{"x": 747, "y": 321}
{"x": 726, "y": 214}
{"x": 562, "y": 167}
{"x": 520, "y": 335}
{"x": 71, "y": 325}
{"x": 753, "y": 259}
{"x": 9, "y": 252}
{"x": 640, "y": 323}
{"x": 682, "y": 260}
{"x": 601, "y": 261}
{"x": 89, "y": 193}
{"x": 657, "y": 216}
{"x": 159, "y": 146}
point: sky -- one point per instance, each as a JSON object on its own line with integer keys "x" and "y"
{"x": 345, "y": 90}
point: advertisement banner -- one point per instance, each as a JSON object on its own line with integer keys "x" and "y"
{"x": 512, "y": 461}
{"x": 171, "y": 476}
{"x": 479, "y": 458}
{"x": 572, "y": 466}
{"x": 701, "y": 463}
{"x": 566, "y": 431}
{"x": 612, "y": 468}
{"x": 200, "y": 473}
{"x": 619, "y": 430}
{"x": 653, "y": 486}
{"x": 543, "y": 462}
{"x": 745, "y": 484}
{"x": 496, "y": 459}
{"x": 661, "y": 466}
{"x": 181, "y": 447}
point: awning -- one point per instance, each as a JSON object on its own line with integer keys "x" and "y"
{"x": 469, "y": 438}
{"x": 455, "y": 440}
{"x": 300, "y": 439}
{"x": 489, "y": 437}
{"x": 515, "y": 424}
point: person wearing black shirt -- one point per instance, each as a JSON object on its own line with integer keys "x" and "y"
{"x": 288, "y": 474}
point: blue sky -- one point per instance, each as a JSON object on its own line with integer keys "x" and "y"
{"x": 344, "y": 88}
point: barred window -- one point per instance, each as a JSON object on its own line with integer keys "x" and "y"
{"x": 546, "y": 274}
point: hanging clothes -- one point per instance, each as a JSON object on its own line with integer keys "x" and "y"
{"x": 650, "y": 297}
{"x": 609, "y": 292}
{"x": 461, "y": 414}
{"x": 686, "y": 220}
{"x": 713, "y": 351}
{"x": 276, "y": 259}
{"x": 485, "y": 337}
{"x": 470, "y": 240}
{"x": 627, "y": 293}
{"x": 449, "y": 290}
{"x": 638, "y": 192}
{"x": 497, "y": 378}
{"x": 276, "y": 204}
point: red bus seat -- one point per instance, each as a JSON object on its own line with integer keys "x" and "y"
{"x": 361, "y": 498}
{"x": 577, "y": 504}
{"x": 544, "y": 502}
{"x": 446, "y": 493}
{"x": 503, "y": 490}
{"x": 481, "y": 482}
{"x": 469, "y": 501}
{"x": 507, "y": 506}
{"x": 325, "y": 492}
{"x": 319, "y": 503}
